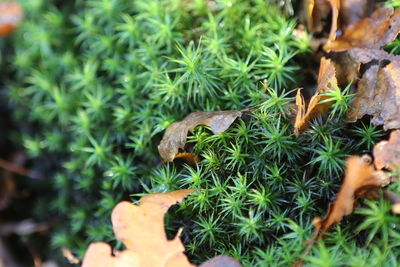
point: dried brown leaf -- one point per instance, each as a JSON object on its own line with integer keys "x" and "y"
{"x": 175, "y": 136}
{"x": 10, "y": 17}
{"x": 141, "y": 229}
{"x": 364, "y": 55}
{"x": 373, "y": 32}
{"x": 387, "y": 153}
{"x": 326, "y": 78}
{"x": 395, "y": 199}
{"x": 378, "y": 94}
{"x": 190, "y": 158}
{"x": 347, "y": 68}
{"x": 359, "y": 174}
{"x": 352, "y": 11}
{"x": 318, "y": 11}
{"x": 221, "y": 261}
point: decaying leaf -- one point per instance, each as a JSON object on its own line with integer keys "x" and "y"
{"x": 190, "y": 158}
{"x": 364, "y": 55}
{"x": 175, "y": 136}
{"x": 347, "y": 68}
{"x": 221, "y": 261}
{"x": 395, "y": 199}
{"x": 387, "y": 153}
{"x": 326, "y": 80}
{"x": 352, "y": 11}
{"x": 378, "y": 94}
{"x": 10, "y": 17}
{"x": 360, "y": 177}
{"x": 141, "y": 229}
{"x": 373, "y": 32}
{"x": 319, "y": 10}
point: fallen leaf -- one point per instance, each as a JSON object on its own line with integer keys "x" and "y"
{"x": 378, "y": 95}
{"x": 319, "y": 10}
{"x": 141, "y": 229}
{"x": 364, "y": 55}
{"x": 352, "y": 11}
{"x": 387, "y": 153}
{"x": 175, "y": 136}
{"x": 221, "y": 261}
{"x": 347, "y": 68}
{"x": 10, "y": 17}
{"x": 361, "y": 179}
{"x": 326, "y": 80}
{"x": 395, "y": 199}
{"x": 360, "y": 175}
{"x": 373, "y": 32}
{"x": 190, "y": 158}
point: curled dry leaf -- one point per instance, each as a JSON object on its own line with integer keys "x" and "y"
{"x": 347, "y": 68}
{"x": 221, "y": 261}
{"x": 175, "y": 136}
{"x": 190, "y": 158}
{"x": 10, "y": 17}
{"x": 378, "y": 94}
{"x": 364, "y": 55}
{"x": 352, "y": 11}
{"x": 373, "y": 32}
{"x": 387, "y": 153}
{"x": 360, "y": 178}
{"x": 326, "y": 80}
{"x": 141, "y": 229}
{"x": 318, "y": 11}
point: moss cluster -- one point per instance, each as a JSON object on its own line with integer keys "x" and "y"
{"x": 98, "y": 81}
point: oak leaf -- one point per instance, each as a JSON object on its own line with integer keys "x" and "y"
{"x": 10, "y": 17}
{"x": 378, "y": 94}
{"x": 360, "y": 179}
{"x": 175, "y": 136}
{"x": 326, "y": 80}
{"x": 372, "y": 32}
{"x": 387, "y": 153}
{"x": 141, "y": 229}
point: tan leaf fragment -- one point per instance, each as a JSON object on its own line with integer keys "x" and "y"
{"x": 326, "y": 80}
{"x": 141, "y": 229}
{"x": 387, "y": 153}
{"x": 190, "y": 158}
{"x": 360, "y": 174}
{"x": 378, "y": 94}
{"x": 318, "y": 11}
{"x": 175, "y": 136}
{"x": 10, "y": 17}
{"x": 221, "y": 261}
{"x": 373, "y": 32}
{"x": 364, "y": 55}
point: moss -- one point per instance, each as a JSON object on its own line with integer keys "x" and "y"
{"x": 102, "y": 79}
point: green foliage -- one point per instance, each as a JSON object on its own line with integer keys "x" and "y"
{"x": 102, "y": 80}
